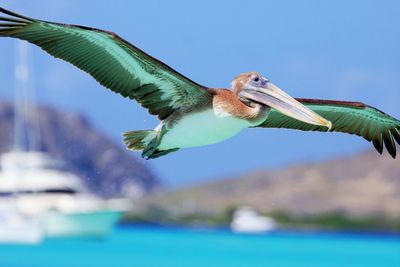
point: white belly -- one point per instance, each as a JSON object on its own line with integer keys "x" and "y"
{"x": 202, "y": 128}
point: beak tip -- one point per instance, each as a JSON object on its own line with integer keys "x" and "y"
{"x": 329, "y": 125}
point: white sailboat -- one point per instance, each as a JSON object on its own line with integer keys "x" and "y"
{"x": 46, "y": 190}
{"x": 15, "y": 226}
{"x": 42, "y": 188}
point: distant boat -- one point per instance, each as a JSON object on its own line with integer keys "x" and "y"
{"x": 248, "y": 220}
{"x": 16, "y": 227}
{"x": 42, "y": 188}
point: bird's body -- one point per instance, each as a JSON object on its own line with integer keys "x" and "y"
{"x": 202, "y": 128}
{"x": 192, "y": 114}
{"x": 220, "y": 119}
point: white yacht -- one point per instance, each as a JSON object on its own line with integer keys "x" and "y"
{"x": 39, "y": 197}
{"x": 248, "y": 220}
{"x": 40, "y": 187}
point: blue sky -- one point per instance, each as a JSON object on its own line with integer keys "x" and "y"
{"x": 316, "y": 49}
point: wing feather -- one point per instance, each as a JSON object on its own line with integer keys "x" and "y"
{"x": 112, "y": 61}
{"x": 348, "y": 117}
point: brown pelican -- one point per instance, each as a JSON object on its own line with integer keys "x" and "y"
{"x": 192, "y": 114}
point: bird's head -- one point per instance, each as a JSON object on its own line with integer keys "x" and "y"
{"x": 253, "y": 88}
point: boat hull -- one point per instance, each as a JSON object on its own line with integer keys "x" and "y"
{"x": 20, "y": 230}
{"x": 96, "y": 224}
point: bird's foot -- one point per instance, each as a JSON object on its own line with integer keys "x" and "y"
{"x": 153, "y": 145}
{"x": 150, "y": 149}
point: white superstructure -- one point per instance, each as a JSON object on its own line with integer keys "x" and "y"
{"x": 40, "y": 187}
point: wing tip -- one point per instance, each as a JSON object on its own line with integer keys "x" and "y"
{"x": 389, "y": 143}
{"x": 378, "y": 143}
{"x": 388, "y": 140}
{"x": 395, "y": 138}
{"x": 14, "y": 15}
{"x": 11, "y": 22}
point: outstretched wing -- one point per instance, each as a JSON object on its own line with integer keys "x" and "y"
{"x": 347, "y": 117}
{"x": 112, "y": 61}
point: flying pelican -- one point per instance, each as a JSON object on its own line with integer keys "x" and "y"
{"x": 192, "y": 114}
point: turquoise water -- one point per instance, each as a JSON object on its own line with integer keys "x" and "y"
{"x": 164, "y": 247}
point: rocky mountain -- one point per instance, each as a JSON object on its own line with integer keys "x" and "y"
{"x": 107, "y": 168}
{"x": 367, "y": 184}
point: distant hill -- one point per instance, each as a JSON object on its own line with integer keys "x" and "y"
{"x": 107, "y": 168}
{"x": 363, "y": 185}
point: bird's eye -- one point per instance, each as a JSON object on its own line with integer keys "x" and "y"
{"x": 256, "y": 79}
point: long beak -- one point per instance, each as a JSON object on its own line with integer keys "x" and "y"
{"x": 271, "y": 95}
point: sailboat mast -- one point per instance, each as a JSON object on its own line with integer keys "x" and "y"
{"x": 21, "y": 78}
{"x": 25, "y": 137}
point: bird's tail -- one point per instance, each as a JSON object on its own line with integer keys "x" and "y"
{"x": 139, "y": 140}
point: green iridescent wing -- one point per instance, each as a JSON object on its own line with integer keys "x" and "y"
{"x": 112, "y": 61}
{"x": 346, "y": 117}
